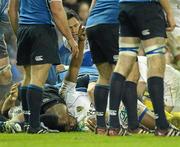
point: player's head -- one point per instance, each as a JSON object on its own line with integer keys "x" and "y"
{"x": 65, "y": 122}
{"x": 74, "y": 22}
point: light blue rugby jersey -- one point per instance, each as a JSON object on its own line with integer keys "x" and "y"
{"x": 104, "y": 12}
{"x": 3, "y": 11}
{"x": 34, "y": 12}
{"x": 138, "y": 1}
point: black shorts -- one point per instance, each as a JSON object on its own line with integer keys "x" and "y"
{"x": 144, "y": 20}
{"x": 3, "y": 49}
{"x": 103, "y": 41}
{"x": 37, "y": 44}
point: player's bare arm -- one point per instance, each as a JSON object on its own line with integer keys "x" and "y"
{"x": 169, "y": 14}
{"x": 13, "y": 14}
{"x": 60, "y": 19}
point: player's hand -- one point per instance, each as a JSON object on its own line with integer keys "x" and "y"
{"x": 60, "y": 68}
{"x": 171, "y": 22}
{"x": 74, "y": 47}
{"x": 82, "y": 33}
{"x": 14, "y": 92}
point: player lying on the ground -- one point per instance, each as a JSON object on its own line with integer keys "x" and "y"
{"x": 56, "y": 115}
{"x": 171, "y": 84}
{"x": 54, "y": 112}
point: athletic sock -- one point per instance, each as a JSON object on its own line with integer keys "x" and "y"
{"x": 130, "y": 102}
{"x": 23, "y": 96}
{"x": 116, "y": 93}
{"x": 65, "y": 87}
{"x": 156, "y": 91}
{"x": 34, "y": 97}
{"x": 100, "y": 99}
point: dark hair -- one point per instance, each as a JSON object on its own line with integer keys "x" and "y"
{"x": 71, "y": 13}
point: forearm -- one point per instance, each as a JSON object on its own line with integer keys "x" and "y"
{"x": 166, "y": 6}
{"x": 7, "y": 105}
{"x": 60, "y": 19}
{"x": 75, "y": 64}
{"x": 13, "y": 14}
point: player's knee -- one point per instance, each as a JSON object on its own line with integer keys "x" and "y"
{"x": 155, "y": 50}
{"x": 134, "y": 77}
{"x": 37, "y": 82}
{"x": 104, "y": 79}
{"x": 128, "y": 49}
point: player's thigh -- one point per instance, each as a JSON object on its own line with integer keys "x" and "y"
{"x": 39, "y": 74}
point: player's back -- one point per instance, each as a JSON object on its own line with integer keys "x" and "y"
{"x": 34, "y": 12}
{"x": 104, "y": 12}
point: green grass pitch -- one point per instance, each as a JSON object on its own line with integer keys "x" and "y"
{"x": 85, "y": 140}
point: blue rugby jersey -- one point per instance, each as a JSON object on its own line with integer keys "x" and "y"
{"x": 3, "y": 11}
{"x": 104, "y": 12}
{"x": 34, "y": 12}
{"x": 138, "y": 1}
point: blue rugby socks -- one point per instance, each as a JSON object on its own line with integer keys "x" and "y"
{"x": 116, "y": 93}
{"x": 34, "y": 97}
{"x": 156, "y": 91}
{"x": 100, "y": 98}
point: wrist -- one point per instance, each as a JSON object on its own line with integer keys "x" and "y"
{"x": 70, "y": 39}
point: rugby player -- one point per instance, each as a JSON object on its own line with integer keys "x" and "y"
{"x": 37, "y": 49}
{"x": 78, "y": 33}
{"x": 142, "y": 21}
{"x": 5, "y": 67}
{"x": 103, "y": 32}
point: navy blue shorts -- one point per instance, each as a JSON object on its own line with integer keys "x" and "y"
{"x": 144, "y": 20}
{"x": 37, "y": 44}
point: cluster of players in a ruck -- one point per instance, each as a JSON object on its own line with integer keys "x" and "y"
{"x": 115, "y": 30}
